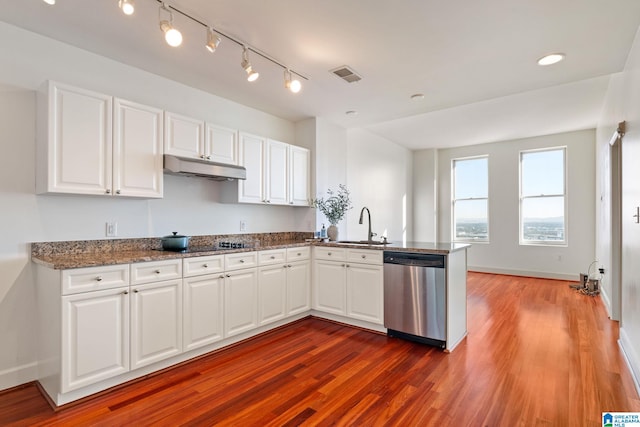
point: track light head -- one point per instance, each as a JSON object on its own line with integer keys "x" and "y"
{"x": 252, "y": 75}
{"x": 213, "y": 40}
{"x": 172, "y": 36}
{"x": 127, "y": 6}
{"x": 293, "y": 85}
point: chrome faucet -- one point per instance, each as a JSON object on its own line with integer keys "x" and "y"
{"x": 370, "y": 234}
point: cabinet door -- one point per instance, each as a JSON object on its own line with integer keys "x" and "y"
{"x": 251, "y": 156}
{"x": 78, "y": 142}
{"x": 183, "y": 136}
{"x": 276, "y": 173}
{"x": 137, "y": 150}
{"x": 365, "y": 292}
{"x": 95, "y": 337}
{"x": 299, "y": 170}
{"x": 240, "y": 301}
{"x": 330, "y": 287}
{"x": 156, "y": 322}
{"x": 298, "y": 287}
{"x": 221, "y": 145}
{"x": 272, "y": 293}
{"x": 203, "y": 310}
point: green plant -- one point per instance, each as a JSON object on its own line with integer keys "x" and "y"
{"x": 336, "y": 205}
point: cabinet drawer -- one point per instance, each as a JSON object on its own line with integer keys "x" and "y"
{"x": 202, "y": 265}
{"x": 364, "y": 256}
{"x": 274, "y": 256}
{"x": 94, "y": 278}
{"x": 240, "y": 260}
{"x": 298, "y": 254}
{"x": 336, "y": 254}
{"x": 156, "y": 271}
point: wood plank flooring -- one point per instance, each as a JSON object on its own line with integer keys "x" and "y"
{"x": 538, "y": 353}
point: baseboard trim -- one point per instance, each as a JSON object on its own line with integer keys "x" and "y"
{"x": 18, "y": 376}
{"x": 524, "y": 273}
{"x": 604, "y": 296}
{"x": 631, "y": 358}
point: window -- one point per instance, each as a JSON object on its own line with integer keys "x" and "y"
{"x": 543, "y": 197}
{"x": 470, "y": 199}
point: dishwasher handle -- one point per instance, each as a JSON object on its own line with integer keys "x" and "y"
{"x": 414, "y": 259}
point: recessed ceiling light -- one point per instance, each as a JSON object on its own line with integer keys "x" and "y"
{"x": 417, "y": 96}
{"x": 52, "y": 2}
{"x": 351, "y": 113}
{"x": 551, "y": 59}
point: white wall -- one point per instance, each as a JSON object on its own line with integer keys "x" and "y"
{"x": 190, "y": 205}
{"x": 425, "y": 195}
{"x": 623, "y": 103}
{"x": 504, "y": 254}
{"x": 379, "y": 174}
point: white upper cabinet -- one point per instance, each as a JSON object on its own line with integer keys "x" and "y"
{"x": 276, "y": 176}
{"x": 277, "y": 173}
{"x": 137, "y": 149}
{"x": 299, "y": 172}
{"x": 184, "y": 136}
{"x": 251, "y": 156}
{"x": 90, "y": 143}
{"x": 74, "y": 142}
{"x": 221, "y": 145}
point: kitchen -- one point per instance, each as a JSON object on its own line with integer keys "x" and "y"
{"x": 31, "y": 59}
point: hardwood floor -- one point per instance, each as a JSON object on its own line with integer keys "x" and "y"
{"x": 537, "y": 353}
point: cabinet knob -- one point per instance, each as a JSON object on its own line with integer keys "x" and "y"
{"x": 135, "y": 291}
{"x": 343, "y": 265}
{"x": 108, "y": 191}
{"x": 208, "y": 157}
{"x": 117, "y": 191}
{"x": 364, "y": 256}
{"x": 272, "y": 257}
{"x": 290, "y": 203}
{"x": 241, "y": 261}
{"x": 125, "y": 293}
{"x": 157, "y": 271}
{"x": 228, "y": 275}
{"x": 299, "y": 254}
{"x": 329, "y": 253}
{"x": 289, "y": 265}
{"x": 99, "y": 279}
{"x": 202, "y": 156}
{"x": 222, "y": 276}
{"x": 348, "y": 266}
{"x": 205, "y": 265}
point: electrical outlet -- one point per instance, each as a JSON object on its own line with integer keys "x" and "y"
{"x": 111, "y": 229}
{"x": 243, "y": 225}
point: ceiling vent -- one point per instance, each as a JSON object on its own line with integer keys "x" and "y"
{"x": 346, "y": 74}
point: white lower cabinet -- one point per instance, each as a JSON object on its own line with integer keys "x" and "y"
{"x": 95, "y": 337}
{"x": 298, "y": 287}
{"x": 349, "y": 283}
{"x": 272, "y": 293}
{"x": 240, "y": 301}
{"x": 203, "y": 310}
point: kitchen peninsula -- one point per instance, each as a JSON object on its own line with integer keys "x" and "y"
{"x": 115, "y": 310}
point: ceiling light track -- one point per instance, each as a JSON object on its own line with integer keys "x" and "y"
{"x": 235, "y": 40}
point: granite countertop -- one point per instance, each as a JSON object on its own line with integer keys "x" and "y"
{"x": 417, "y": 247}
{"x": 95, "y": 253}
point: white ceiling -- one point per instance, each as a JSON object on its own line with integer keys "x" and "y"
{"x": 475, "y": 62}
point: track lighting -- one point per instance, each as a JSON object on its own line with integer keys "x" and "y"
{"x": 172, "y": 36}
{"x": 213, "y": 40}
{"x": 293, "y": 85}
{"x": 127, "y": 6}
{"x": 252, "y": 75}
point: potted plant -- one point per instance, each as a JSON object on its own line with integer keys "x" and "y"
{"x": 334, "y": 207}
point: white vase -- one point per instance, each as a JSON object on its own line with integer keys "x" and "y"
{"x": 332, "y": 233}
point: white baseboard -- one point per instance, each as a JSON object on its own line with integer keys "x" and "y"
{"x": 631, "y": 357}
{"x": 524, "y": 273}
{"x": 604, "y": 296}
{"x": 19, "y": 375}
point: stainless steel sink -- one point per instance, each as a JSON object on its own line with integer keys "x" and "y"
{"x": 362, "y": 242}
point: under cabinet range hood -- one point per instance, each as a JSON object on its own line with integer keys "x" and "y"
{"x": 195, "y": 167}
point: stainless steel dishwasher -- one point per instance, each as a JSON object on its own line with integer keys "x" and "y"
{"x": 415, "y": 297}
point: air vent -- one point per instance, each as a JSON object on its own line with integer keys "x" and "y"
{"x": 346, "y": 74}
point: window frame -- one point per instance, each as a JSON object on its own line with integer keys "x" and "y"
{"x": 564, "y": 194}
{"x": 454, "y": 237}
